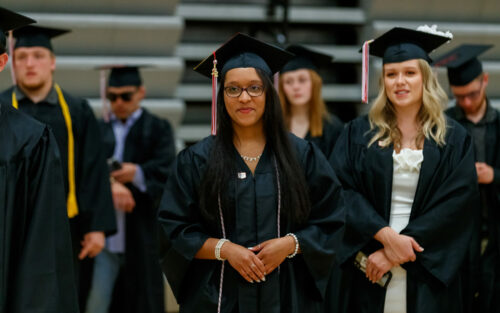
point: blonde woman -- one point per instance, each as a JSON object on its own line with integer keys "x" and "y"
{"x": 304, "y": 110}
{"x": 409, "y": 179}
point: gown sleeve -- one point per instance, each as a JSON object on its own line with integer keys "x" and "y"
{"x": 45, "y": 278}
{"x": 181, "y": 232}
{"x": 94, "y": 191}
{"x": 362, "y": 221}
{"x": 317, "y": 239}
{"x": 156, "y": 169}
{"x": 443, "y": 227}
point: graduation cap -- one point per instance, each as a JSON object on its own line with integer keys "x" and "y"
{"x": 462, "y": 63}
{"x": 399, "y": 45}
{"x": 305, "y": 59}
{"x": 403, "y": 44}
{"x": 124, "y": 76}
{"x": 240, "y": 51}
{"x": 9, "y": 21}
{"x": 245, "y": 51}
{"x": 120, "y": 76}
{"x": 37, "y": 36}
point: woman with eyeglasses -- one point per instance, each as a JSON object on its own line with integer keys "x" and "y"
{"x": 409, "y": 180}
{"x": 249, "y": 215}
{"x": 305, "y": 112}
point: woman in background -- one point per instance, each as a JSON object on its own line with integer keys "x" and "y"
{"x": 304, "y": 110}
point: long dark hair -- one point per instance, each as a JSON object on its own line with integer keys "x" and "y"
{"x": 221, "y": 168}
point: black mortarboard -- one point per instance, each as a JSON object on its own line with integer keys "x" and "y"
{"x": 403, "y": 44}
{"x": 244, "y": 51}
{"x": 124, "y": 76}
{"x": 462, "y": 63}
{"x": 36, "y": 36}
{"x": 240, "y": 51}
{"x": 305, "y": 59}
{"x": 8, "y": 21}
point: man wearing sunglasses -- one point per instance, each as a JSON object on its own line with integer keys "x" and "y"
{"x": 127, "y": 276}
{"x": 35, "y": 248}
{"x": 473, "y": 110}
{"x": 88, "y": 195}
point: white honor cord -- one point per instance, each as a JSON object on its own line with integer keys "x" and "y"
{"x": 223, "y": 262}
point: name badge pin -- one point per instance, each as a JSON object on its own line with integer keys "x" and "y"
{"x": 242, "y": 175}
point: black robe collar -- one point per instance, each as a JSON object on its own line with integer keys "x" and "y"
{"x": 52, "y": 97}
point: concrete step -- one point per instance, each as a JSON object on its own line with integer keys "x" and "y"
{"x": 79, "y": 76}
{"x": 193, "y": 133}
{"x": 203, "y": 92}
{"x": 94, "y": 6}
{"x": 431, "y": 10}
{"x": 103, "y": 34}
{"x": 171, "y": 109}
{"x": 198, "y": 51}
{"x": 323, "y": 3}
{"x": 257, "y": 13}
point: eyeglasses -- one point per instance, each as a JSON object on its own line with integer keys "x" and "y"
{"x": 471, "y": 95}
{"x": 125, "y": 96}
{"x": 252, "y": 91}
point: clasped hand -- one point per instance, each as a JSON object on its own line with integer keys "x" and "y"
{"x": 254, "y": 263}
{"x": 398, "y": 249}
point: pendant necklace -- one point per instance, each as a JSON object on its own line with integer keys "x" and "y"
{"x": 250, "y": 159}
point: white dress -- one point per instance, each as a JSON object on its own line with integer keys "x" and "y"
{"x": 404, "y": 184}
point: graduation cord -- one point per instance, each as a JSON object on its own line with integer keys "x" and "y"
{"x": 223, "y": 228}
{"x": 71, "y": 203}
{"x": 219, "y": 303}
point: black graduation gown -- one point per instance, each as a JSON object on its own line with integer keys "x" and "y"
{"x": 300, "y": 285}
{"x": 332, "y": 128}
{"x": 150, "y": 144}
{"x": 439, "y": 221}
{"x": 93, "y": 191}
{"x": 492, "y": 194}
{"x": 36, "y": 268}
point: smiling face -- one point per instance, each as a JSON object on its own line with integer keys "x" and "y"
{"x": 404, "y": 84}
{"x": 297, "y": 86}
{"x": 245, "y": 111}
{"x": 33, "y": 67}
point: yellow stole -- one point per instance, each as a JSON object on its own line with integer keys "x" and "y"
{"x": 71, "y": 203}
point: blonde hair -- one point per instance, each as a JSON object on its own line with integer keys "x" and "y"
{"x": 317, "y": 107}
{"x": 430, "y": 117}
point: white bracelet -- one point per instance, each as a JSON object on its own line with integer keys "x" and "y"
{"x": 296, "y": 245}
{"x": 218, "y": 246}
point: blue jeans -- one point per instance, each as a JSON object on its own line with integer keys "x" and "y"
{"x": 106, "y": 268}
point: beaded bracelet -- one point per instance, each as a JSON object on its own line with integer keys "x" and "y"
{"x": 296, "y": 245}
{"x": 218, "y": 246}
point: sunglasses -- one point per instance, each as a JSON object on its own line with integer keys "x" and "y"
{"x": 125, "y": 96}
